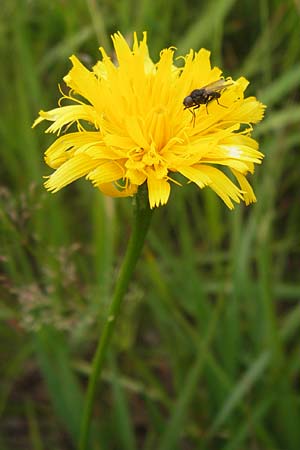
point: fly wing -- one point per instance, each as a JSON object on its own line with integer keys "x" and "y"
{"x": 218, "y": 85}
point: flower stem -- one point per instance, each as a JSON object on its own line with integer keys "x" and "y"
{"x": 142, "y": 217}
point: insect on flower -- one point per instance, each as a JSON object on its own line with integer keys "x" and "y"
{"x": 205, "y": 95}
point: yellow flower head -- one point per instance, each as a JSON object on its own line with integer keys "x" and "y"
{"x": 131, "y": 126}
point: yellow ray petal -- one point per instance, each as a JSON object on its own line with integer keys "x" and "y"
{"x": 205, "y": 175}
{"x": 65, "y": 147}
{"x": 105, "y": 173}
{"x": 247, "y": 191}
{"x": 68, "y": 114}
{"x": 222, "y": 185}
{"x": 248, "y": 111}
{"x": 85, "y": 83}
{"x": 135, "y": 132}
{"x": 111, "y": 190}
{"x": 159, "y": 191}
{"x": 195, "y": 174}
{"x": 71, "y": 170}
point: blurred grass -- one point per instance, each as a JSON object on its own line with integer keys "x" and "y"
{"x": 206, "y": 354}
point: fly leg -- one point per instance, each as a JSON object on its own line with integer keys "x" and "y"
{"x": 194, "y": 114}
{"x": 214, "y": 96}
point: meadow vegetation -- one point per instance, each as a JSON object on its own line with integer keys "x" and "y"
{"x": 206, "y": 352}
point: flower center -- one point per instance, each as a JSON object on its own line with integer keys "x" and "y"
{"x": 158, "y": 125}
{"x": 151, "y": 157}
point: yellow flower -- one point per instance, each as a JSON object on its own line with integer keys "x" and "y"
{"x": 129, "y": 126}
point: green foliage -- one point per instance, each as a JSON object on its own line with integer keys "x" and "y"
{"x": 206, "y": 352}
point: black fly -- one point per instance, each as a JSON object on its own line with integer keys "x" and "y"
{"x": 205, "y": 95}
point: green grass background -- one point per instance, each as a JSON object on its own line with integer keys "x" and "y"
{"x": 206, "y": 352}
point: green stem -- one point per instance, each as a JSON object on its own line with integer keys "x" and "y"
{"x": 142, "y": 217}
